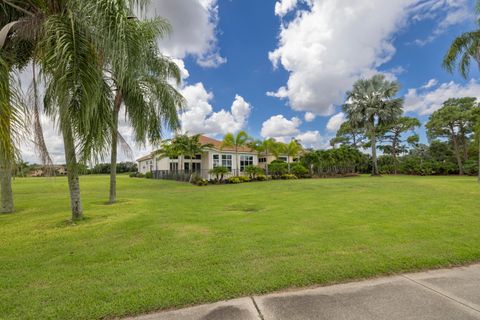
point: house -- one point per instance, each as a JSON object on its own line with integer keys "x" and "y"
{"x": 42, "y": 171}
{"x": 203, "y": 163}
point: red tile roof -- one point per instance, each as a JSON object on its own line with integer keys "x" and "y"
{"x": 218, "y": 145}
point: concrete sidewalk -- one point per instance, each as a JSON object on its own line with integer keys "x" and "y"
{"x": 440, "y": 294}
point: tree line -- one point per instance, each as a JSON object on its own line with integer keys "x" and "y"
{"x": 377, "y": 123}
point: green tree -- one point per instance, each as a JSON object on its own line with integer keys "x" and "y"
{"x": 371, "y": 105}
{"x": 476, "y": 128}
{"x": 13, "y": 55}
{"x": 393, "y": 134}
{"x": 348, "y": 135}
{"x": 267, "y": 146}
{"x": 463, "y": 50}
{"x": 292, "y": 150}
{"x": 72, "y": 41}
{"x": 219, "y": 172}
{"x": 236, "y": 141}
{"x": 143, "y": 88}
{"x": 10, "y": 122}
{"x": 454, "y": 122}
{"x": 187, "y": 146}
{"x": 253, "y": 171}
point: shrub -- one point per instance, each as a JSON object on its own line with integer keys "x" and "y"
{"x": 299, "y": 170}
{"x": 149, "y": 175}
{"x": 277, "y": 169}
{"x": 219, "y": 173}
{"x": 140, "y": 175}
{"x": 253, "y": 171}
{"x": 470, "y": 167}
{"x": 262, "y": 177}
{"x": 288, "y": 176}
{"x": 198, "y": 181}
{"x": 234, "y": 180}
{"x": 133, "y": 175}
{"x": 244, "y": 179}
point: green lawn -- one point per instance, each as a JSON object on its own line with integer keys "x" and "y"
{"x": 167, "y": 244}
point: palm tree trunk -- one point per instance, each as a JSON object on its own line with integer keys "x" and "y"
{"x": 72, "y": 173}
{"x": 238, "y": 162}
{"x": 266, "y": 162}
{"x": 478, "y": 159}
{"x": 6, "y": 155}
{"x": 394, "y": 155}
{"x": 374, "y": 154}
{"x": 113, "y": 158}
{"x": 6, "y": 202}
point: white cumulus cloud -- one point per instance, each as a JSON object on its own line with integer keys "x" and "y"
{"x": 194, "y": 24}
{"x": 425, "y": 101}
{"x": 282, "y": 7}
{"x": 199, "y": 116}
{"x": 283, "y": 129}
{"x": 331, "y": 44}
{"x": 309, "y": 116}
{"x": 336, "y": 121}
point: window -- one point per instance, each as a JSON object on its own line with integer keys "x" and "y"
{"x": 216, "y": 160}
{"x": 197, "y": 157}
{"x": 196, "y": 167}
{"x": 284, "y": 159}
{"x": 174, "y": 166}
{"x": 227, "y": 161}
{"x": 245, "y": 161}
{"x": 262, "y": 160}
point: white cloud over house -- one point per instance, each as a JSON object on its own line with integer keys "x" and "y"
{"x": 199, "y": 116}
{"x": 284, "y": 129}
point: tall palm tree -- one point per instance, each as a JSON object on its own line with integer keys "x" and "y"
{"x": 148, "y": 97}
{"x": 277, "y": 148}
{"x": 72, "y": 42}
{"x": 187, "y": 146}
{"x": 236, "y": 141}
{"x": 13, "y": 55}
{"x": 463, "y": 50}
{"x": 371, "y": 105}
{"x": 267, "y": 146}
{"x": 291, "y": 150}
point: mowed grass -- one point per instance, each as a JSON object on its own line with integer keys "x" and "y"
{"x": 168, "y": 244}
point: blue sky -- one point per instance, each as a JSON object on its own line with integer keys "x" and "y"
{"x": 280, "y": 68}
{"x": 247, "y": 31}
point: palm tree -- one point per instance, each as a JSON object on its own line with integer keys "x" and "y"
{"x": 72, "y": 41}
{"x": 148, "y": 97}
{"x": 267, "y": 147}
{"x": 291, "y": 150}
{"x": 371, "y": 105}
{"x": 185, "y": 145}
{"x": 13, "y": 55}
{"x": 236, "y": 141}
{"x": 463, "y": 50}
{"x": 10, "y": 128}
